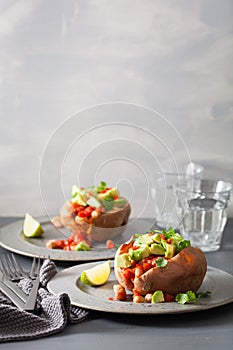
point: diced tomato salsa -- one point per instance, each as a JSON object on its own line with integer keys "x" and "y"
{"x": 81, "y": 211}
{"x": 71, "y": 242}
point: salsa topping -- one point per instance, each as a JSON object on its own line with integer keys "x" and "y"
{"x": 151, "y": 249}
{"x": 144, "y": 252}
{"x": 98, "y": 199}
{"x": 86, "y": 205}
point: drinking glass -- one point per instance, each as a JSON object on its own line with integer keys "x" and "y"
{"x": 203, "y": 212}
{"x": 167, "y": 211}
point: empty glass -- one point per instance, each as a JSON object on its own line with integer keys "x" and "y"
{"x": 204, "y": 212}
{"x": 167, "y": 211}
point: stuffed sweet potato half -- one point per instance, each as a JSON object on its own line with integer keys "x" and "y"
{"x": 161, "y": 261}
{"x": 98, "y": 211}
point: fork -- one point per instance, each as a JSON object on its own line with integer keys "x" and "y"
{"x": 13, "y": 272}
{"x": 35, "y": 277}
{"x": 12, "y": 269}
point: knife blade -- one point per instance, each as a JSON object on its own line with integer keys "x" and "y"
{"x": 13, "y": 286}
{"x": 12, "y": 296}
{"x": 31, "y": 301}
{"x": 16, "y": 289}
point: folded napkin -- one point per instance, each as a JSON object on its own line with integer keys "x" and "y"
{"x": 52, "y": 313}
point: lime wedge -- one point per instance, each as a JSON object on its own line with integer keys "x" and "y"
{"x": 31, "y": 227}
{"x": 97, "y": 275}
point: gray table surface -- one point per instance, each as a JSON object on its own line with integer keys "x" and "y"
{"x": 212, "y": 329}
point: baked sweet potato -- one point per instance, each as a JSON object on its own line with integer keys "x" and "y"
{"x": 173, "y": 270}
{"x": 106, "y": 225}
{"x": 183, "y": 272}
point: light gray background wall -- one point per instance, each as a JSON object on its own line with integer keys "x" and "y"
{"x": 61, "y": 57}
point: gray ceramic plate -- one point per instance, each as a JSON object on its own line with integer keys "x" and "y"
{"x": 68, "y": 281}
{"x": 13, "y": 239}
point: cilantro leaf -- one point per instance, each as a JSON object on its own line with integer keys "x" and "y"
{"x": 186, "y": 298}
{"x": 108, "y": 198}
{"x": 161, "y": 262}
{"x": 182, "y": 244}
{"x": 190, "y": 297}
{"x": 101, "y": 187}
{"x": 203, "y": 295}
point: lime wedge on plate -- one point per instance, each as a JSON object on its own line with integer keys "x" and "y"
{"x": 97, "y": 275}
{"x": 31, "y": 227}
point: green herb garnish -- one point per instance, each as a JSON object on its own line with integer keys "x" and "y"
{"x": 190, "y": 297}
{"x": 82, "y": 246}
{"x": 101, "y": 187}
{"x": 203, "y": 295}
{"x": 161, "y": 262}
{"x": 182, "y": 244}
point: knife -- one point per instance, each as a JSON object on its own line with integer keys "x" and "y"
{"x": 13, "y": 286}
{"x": 12, "y": 296}
{"x": 16, "y": 289}
{"x": 31, "y": 300}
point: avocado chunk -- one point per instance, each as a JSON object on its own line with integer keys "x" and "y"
{"x": 120, "y": 202}
{"x": 144, "y": 239}
{"x": 123, "y": 260}
{"x": 157, "y": 238}
{"x": 170, "y": 250}
{"x": 78, "y": 196}
{"x": 108, "y": 205}
{"x": 109, "y": 194}
{"x": 93, "y": 202}
{"x": 157, "y": 297}
{"x": 82, "y": 246}
{"x": 80, "y": 199}
{"x": 157, "y": 249}
{"x": 140, "y": 253}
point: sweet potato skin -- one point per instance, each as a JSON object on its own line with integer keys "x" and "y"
{"x": 184, "y": 272}
{"x": 112, "y": 219}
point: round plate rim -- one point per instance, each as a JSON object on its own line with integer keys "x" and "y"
{"x": 81, "y": 299}
{"x": 10, "y": 239}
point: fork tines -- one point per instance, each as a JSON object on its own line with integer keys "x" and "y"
{"x": 13, "y": 272}
{"x": 11, "y": 268}
{"x": 35, "y": 268}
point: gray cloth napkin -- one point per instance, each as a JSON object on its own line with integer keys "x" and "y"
{"x": 52, "y": 313}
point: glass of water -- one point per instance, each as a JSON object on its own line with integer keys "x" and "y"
{"x": 204, "y": 212}
{"x": 167, "y": 212}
